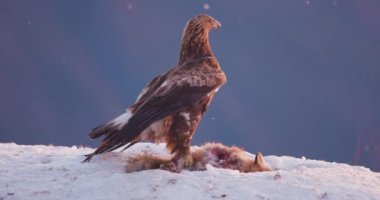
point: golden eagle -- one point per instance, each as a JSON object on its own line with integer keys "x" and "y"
{"x": 171, "y": 106}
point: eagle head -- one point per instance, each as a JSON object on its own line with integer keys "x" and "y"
{"x": 203, "y": 22}
{"x": 195, "y": 42}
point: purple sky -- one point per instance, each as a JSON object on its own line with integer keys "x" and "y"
{"x": 303, "y": 76}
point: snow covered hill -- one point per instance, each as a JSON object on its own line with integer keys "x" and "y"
{"x": 49, "y": 172}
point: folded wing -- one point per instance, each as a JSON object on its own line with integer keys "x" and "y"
{"x": 171, "y": 97}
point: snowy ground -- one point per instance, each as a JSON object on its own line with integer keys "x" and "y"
{"x": 48, "y": 172}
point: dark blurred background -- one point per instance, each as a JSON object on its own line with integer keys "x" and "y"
{"x": 303, "y": 75}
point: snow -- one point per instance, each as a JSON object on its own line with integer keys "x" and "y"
{"x": 53, "y": 172}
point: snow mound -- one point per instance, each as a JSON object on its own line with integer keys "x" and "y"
{"x": 50, "y": 172}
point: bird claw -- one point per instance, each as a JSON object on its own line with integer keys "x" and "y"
{"x": 188, "y": 160}
{"x": 185, "y": 161}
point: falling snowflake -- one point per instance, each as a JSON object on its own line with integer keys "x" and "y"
{"x": 129, "y": 6}
{"x": 206, "y": 6}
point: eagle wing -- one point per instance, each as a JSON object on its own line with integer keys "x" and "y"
{"x": 109, "y": 127}
{"x": 178, "y": 91}
{"x": 152, "y": 86}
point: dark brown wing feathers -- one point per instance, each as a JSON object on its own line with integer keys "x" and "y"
{"x": 197, "y": 74}
{"x": 157, "y": 107}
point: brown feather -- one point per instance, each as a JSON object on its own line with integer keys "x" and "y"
{"x": 180, "y": 95}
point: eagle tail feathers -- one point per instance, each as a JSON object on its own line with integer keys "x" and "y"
{"x": 113, "y": 131}
{"x": 111, "y": 126}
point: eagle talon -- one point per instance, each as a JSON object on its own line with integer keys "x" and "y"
{"x": 185, "y": 161}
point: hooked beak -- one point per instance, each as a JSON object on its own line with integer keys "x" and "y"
{"x": 217, "y": 24}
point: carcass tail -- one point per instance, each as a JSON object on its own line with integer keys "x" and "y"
{"x": 146, "y": 161}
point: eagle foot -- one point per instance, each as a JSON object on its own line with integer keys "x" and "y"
{"x": 184, "y": 161}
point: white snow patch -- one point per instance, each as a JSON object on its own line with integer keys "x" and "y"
{"x": 121, "y": 120}
{"x": 48, "y": 172}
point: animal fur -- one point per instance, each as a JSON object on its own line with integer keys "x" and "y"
{"x": 214, "y": 154}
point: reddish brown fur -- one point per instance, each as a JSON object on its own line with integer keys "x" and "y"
{"x": 214, "y": 154}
